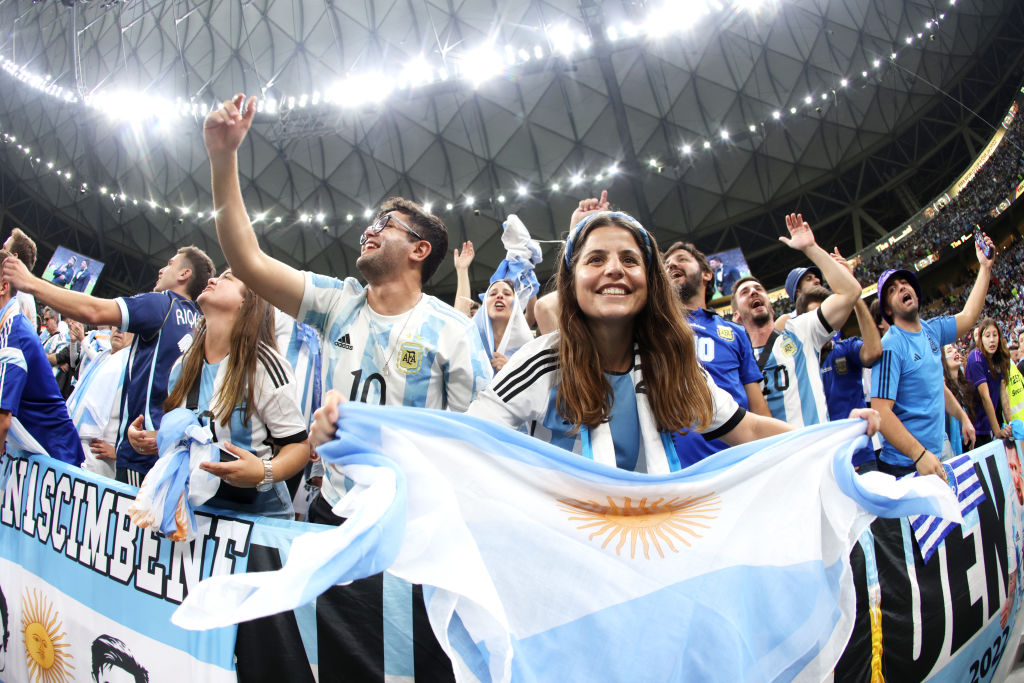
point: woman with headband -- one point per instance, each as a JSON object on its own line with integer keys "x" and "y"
{"x": 621, "y": 374}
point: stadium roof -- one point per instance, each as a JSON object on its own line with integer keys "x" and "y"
{"x": 707, "y": 120}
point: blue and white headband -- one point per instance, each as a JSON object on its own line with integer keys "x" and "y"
{"x": 580, "y": 229}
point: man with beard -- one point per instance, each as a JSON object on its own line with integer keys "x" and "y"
{"x": 906, "y": 385}
{"x": 789, "y": 359}
{"x": 723, "y": 347}
{"x": 386, "y": 343}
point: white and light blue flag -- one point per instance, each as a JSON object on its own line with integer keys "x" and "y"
{"x": 538, "y": 564}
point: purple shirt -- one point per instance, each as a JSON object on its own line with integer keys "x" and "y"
{"x": 978, "y": 373}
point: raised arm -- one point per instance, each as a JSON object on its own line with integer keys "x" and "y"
{"x": 966, "y": 318}
{"x": 463, "y": 259}
{"x": 845, "y": 288}
{"x": 69, "y": 303}
{"x": 871, "y": 351}
{"x": 277, "y": 282}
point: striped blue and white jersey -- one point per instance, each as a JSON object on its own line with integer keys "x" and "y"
{"x": 95, "y": 408}
{"x": 525, "y": 392}
{"x": 300, "y": 346}
{"x": 53, "y": 344}
{"x": 428, "y": 357}
{"x": 792, "y": 376}
{"x": 276, "y": 418}
{"x": 275, "y": 421}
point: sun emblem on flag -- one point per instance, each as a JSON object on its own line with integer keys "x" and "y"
{"x": 659, "y": 523}
{"x": 45, "y": 649}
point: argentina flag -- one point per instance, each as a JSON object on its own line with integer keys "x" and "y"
{"x": 538, "y": 564}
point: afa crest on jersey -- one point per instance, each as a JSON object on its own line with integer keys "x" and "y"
{"x": 725, "y": 333}
{"x": 789, "y": 347}
{"x": 841, "y": 367}
{"x": 410, "y": 357}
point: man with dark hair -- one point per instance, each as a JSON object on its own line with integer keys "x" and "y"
{"x": 28, "y": 390}
{"x": 110, "y": 655}
{"x": 63, "y": 272}
{"x": 789, "y": 357}
{"x": 723, "y": 277}
{"x": 162, "y": 322}
{"x": 386, "y": 343}
{"x": 723, "y": 347}
{"x": 22, "y": 246}
{"x": 907, "y": 384}
{"x": 81, "y": 277}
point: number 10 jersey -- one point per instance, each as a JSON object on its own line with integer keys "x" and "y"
{"x": 428, "y": 357}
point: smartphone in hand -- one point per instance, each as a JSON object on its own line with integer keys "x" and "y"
{"x": 225, "y": 454}
{"x": 986, "y": 248}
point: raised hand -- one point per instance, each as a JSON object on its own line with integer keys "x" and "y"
{"x": 589, "y": 207}
{"x": 982, "y": 259}
{"x": 15, "y": 272}
{"x": 225, "y": 128}
{"x": 464, "y": 258}
{"x": 841, "y": 260}
{"x": 800, "y": 237}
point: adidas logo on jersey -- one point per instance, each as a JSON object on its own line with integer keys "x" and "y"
{"x": 917, "y": 357}
{"x": 344, "y": 341}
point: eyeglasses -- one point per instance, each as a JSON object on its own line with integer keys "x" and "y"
{"x": 382, "y": 223}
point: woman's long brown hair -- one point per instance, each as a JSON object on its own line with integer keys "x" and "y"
{"x": 998, "y": 362}
{"x": 672, "y": 379}
{"x": 253, "y": 324}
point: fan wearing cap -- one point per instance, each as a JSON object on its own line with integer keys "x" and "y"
{"x": 788, "y": 357}
{"x": 906, "y": 385}
{"x": 620, "y": 375}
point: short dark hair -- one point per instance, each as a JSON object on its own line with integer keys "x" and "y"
{"x": 699, "y": 257}
{"x": 814, "y": 294}
{"x": 24, "y": 248}
{"x": 430, "y": 228}
{"x": 202, "y": 269}
{"x": 742, "y": 281}
{"x": 108, "y": 651}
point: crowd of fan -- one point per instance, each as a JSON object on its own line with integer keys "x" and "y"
{"x": 994, "y": 181}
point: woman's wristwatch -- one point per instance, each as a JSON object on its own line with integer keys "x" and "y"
{"x": 268, "y": 477}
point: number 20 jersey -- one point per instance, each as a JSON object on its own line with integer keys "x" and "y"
{"x": 792, "y": 376}
{"x": 430, "y": 357}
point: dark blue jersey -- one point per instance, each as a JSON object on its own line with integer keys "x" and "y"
{"x": 724, "y": 349}
{"x": 162, "y": 323}
{"x": 842, "y": 376}
{"x": 29, "y": 391}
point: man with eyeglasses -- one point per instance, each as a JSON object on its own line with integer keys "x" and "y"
{"x": 385, "y": 342}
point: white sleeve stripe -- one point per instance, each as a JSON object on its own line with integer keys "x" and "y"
{"x": 13, "y": 356}
{"x": 124, "y": 313}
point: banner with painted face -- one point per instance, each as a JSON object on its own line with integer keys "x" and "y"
{"x": 84, "y": 594}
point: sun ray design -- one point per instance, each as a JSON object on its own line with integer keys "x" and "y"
{"x": 659, "y": 523}
{"x": 45, "y": 649}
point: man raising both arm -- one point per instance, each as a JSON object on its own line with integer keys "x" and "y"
{"x": 162, "y": 321}
{"x": 906, "y": 385}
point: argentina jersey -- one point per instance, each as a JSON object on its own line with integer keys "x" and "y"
{"x": 792, "y": 376}
{"x": 300, "y": 346}
{"x": 162, "y": 323}
{"x": 428, "y": 357}
{"x": 724, "y": 350}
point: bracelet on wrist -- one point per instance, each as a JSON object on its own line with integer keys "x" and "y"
{"x": 923, "y": 451}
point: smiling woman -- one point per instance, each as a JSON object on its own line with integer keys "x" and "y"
{"x": 621, "y": 375}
